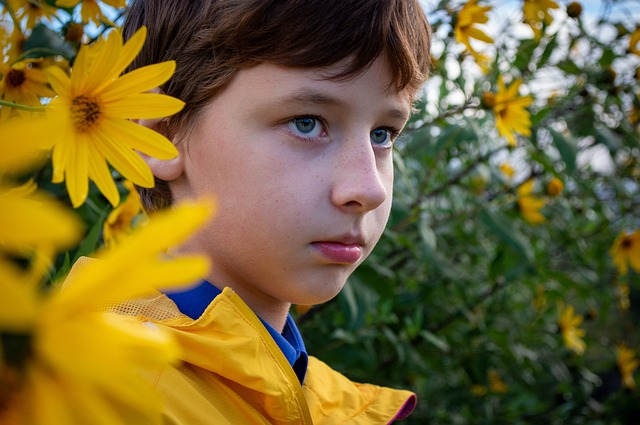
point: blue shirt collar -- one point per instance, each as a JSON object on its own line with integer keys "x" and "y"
{"x": 194, "y": 301}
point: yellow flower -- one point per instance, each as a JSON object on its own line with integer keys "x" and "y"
{"x": 509, "y": 109}
{"x": 22, "y": 83}
{"x": 626, "y": 252}
{"x": 33, "y": 221}
{"x": 507, "y": 170}
{"x": 555, "y": 187}
{"x": 569, "y": 323}
{"x": 31, "y": 12}
{"x": 496, "y": 384}
{"x": 119, "y": 222}
{"x": 469, "y": 16}
{"x": 90, "y": 9}
{"x": 537, "y": 11}
{"x": 21, "y": 146}
{"x": 76, "y": 365}
{"x": 634, "y": 40}
{"x": 530, "y": 205}
{"x": 90, "y": 118}
{"x": 628, "y": 362}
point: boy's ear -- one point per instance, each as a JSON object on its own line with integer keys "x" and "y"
{"x": 169, "y": 169}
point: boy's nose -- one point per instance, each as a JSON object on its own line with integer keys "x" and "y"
{"x": 359, "y": 183}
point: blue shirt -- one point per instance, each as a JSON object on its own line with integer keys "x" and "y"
{"x": 194, "y": 301}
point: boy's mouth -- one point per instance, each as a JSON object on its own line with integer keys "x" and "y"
{"x": 344, "y": 251}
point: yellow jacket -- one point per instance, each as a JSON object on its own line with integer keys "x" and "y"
{"x": 232, "y": 372}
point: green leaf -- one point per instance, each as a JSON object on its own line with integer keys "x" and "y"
{"x": 548, "y": 50}
{"x": 440, "y": 343}
{"x": 501, "y": 226}
{"x": 90, "y": 242}
{"x": 567, "y": 149}
{"x": 43, "y": 42}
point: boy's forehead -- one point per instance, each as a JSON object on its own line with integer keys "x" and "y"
{"x": 319, "y": 86}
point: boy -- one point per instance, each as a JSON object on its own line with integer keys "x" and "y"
{"x": 291, "y": 111}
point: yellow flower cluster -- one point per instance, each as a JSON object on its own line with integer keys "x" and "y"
{"x": 530, "y": 204}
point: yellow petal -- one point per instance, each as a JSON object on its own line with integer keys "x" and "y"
{"x": 123, "y": 159}
{"x": 140, "y": 138}
{"x": 144, "y": 105}
{"x": 77, "y": 171}
{"x": 99, "y": 173}
{"x": 139, "y": 80}
{"x": 109, "y": 280}
{"x": 131, "y": 49}
{"x": 18, "y": 303}
{"x": 103, "y": 70}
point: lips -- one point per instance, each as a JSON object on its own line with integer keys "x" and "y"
{"x": 342, "y": 252}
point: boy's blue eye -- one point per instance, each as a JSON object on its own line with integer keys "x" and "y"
{"x": 308, "y": 127}
{"x": 381, "y": 137}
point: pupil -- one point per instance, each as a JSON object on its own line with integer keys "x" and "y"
{"x": 379, "y": 136}
{"x": 305, "y": 125}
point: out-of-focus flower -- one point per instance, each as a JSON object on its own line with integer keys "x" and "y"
{"x": 21, "y": 145}
{"x": 507, "y": 170}
{"x": 119, "y": 223}
{"x": 301, "y": 309}
{"x": 509, "y": 109}
{"x": 496, "y": 384}
{"x": 89, "y": 119}
{"x": 22, "y": 83}
{"x": 31, "y": 222}
{"x": 71, "y": 364}
{"x": 574, "y": 9}
{"x": 90, "y": 9}
{"x": 626, "y": 251}
{"x": 634, "y": 40}
{"x": 468, "y": 18}
{"x": 479, "y": 390}
{"x": 14, "y": 45}
{"x": 628, "y": 362}
{"x": 569, "y": 323}
{"x": 536, "y": 12}
{"x": 530, "y": 205}
{"x": 555, "y": 187}
{"x": 622, "y": 296}
{"x": 74, "y": 32}
{"x": 31, "y": 12}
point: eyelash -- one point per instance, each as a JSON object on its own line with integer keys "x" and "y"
{"x": 393, "y": 132}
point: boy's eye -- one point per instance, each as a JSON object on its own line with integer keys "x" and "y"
{"x": 381, "y": 137}
{"x": 308, "y": 127}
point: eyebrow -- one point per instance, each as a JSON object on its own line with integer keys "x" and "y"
{"x": 313, "y": 97}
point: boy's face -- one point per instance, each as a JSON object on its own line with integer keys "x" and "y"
{"x": 301, "y": 170}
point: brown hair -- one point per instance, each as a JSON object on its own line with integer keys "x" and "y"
{"x": 212, "y": 39}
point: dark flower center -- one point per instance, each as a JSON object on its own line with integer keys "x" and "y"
{"x": 85, "y": 111}
{"x": 15, "y": 78}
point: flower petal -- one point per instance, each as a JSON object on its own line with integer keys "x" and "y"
{"x": 140, "y": 138}
{"x": 139, "y": 80}
{"x": 144, "y": 105}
